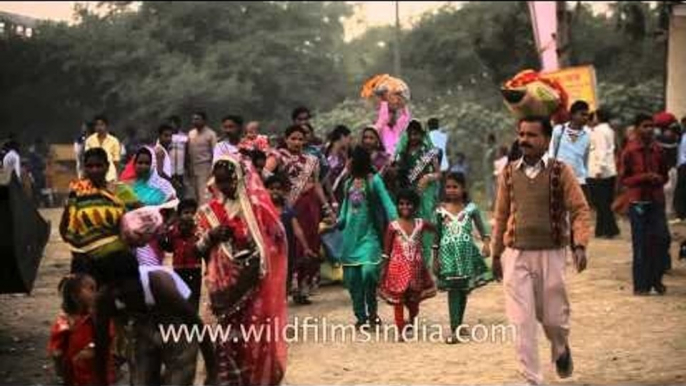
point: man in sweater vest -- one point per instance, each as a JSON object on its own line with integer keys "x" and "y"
{"x": 537, "y": 197}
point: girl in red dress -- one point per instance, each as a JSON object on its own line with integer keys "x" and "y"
{"x": 405, "y": 280}
{"x": 72, "y": 340}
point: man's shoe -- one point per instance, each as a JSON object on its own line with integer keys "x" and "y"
{"x": 564, "y": 364}
{"x": 660, "y": 288}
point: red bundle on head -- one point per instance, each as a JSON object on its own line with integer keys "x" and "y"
{"x": 531, "y": 94}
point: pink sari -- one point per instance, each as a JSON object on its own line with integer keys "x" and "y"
{"x": 390, "y": 132}
{"x": 255, "y": 361}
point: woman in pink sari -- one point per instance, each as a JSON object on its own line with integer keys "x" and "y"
{"x": 391, "y": 125}
{"x": 240, "y": 231}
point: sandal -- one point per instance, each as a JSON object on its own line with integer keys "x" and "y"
{"x": 660, "y": 288}
{"x": 452, "y": 339}
{"x": 375, "y": 321}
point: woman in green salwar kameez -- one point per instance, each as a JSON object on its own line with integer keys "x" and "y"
{"x": 366, "y": 207}
{"x": 418, "y": 164}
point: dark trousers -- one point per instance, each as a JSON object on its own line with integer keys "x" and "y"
{"x": 587, "y": 195}
{"x": 193, "y": 278}
{"x": 650, "y": 241}
{"x": 680, "y": 193}
{"x": 149, "y": 354}
{"x": 179, "y": 185}
{"x": 603, "y": 192}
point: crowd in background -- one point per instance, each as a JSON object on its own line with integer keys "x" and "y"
{"x": 254, "y": 218}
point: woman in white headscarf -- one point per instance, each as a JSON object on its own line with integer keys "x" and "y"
{"x": 151, "y": 190}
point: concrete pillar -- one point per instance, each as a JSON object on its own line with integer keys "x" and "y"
{"x": 676, "y": 62}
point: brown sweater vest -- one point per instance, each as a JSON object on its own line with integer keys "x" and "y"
{"x": 537, "y": 210}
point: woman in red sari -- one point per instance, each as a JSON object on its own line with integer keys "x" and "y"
{"x": 308, "y": 200}
{"x": 240, "y": 231}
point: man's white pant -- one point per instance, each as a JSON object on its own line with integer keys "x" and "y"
{"x": 534, "y": 283}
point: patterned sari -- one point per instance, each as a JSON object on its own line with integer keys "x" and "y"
{"x": 246, "y": 279}
{"x": 412, "y": 167}
{"x": 301, "y": 170}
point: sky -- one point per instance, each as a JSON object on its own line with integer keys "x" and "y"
{"x": 367, "y": 13}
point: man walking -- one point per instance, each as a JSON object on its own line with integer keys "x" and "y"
{"x": 178, "y": 155}
{"x": 201, "y": 143}
{"x": 232, "y": 129}
{"x": 440, "y": 140}
{"x": 536, "y": 195}
{"x": 103, "y": 139}
{"x": 643, "y": 171}
{"x": 488, "y": 167}
{"x": 602, "y": 171}
{"x": 571, "y": 143}
{"x": 680, "y": 192}
{"x": 164, "y": 141}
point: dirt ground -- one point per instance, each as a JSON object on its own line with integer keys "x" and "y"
{"x": 616, "y": 338}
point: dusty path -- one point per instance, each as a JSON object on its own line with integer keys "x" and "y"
{"x": 616, "y": 337}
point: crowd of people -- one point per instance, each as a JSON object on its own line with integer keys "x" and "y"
{"x": 248, "y": 217}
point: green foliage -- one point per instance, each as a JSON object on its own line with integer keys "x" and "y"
{"x": 261, "y": 59}
{"x": 624, "y": 101}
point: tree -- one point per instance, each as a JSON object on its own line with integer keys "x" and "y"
{"x": 138, "y": 66}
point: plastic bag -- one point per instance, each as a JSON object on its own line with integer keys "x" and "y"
{"x": 140, "y": 226}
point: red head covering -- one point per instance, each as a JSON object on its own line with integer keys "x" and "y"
{"x": 664, "y": 119}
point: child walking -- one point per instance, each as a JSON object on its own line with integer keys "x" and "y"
{"x": 72, "y": 342}
{"x": 460, "y": 266}
{"x": 180, "y": 240}
{"x": 277, "y": 187}
{"x": 405, "y": 280}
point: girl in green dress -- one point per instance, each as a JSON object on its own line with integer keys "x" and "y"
{"x": 365, "y": 208}
{"x": 460, "y": 266}
{"x": 418, "y": 164}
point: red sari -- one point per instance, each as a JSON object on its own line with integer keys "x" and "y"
{"x": 256, "y": 225}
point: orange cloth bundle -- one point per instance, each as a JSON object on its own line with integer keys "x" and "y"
{"x": 387, "y": 88}
{"x": 531, "y": 94}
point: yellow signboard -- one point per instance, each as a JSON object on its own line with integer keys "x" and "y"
{"x": 579, "y": 82}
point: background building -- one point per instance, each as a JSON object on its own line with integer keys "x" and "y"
{"x": 13, "y": 24}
